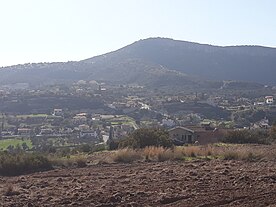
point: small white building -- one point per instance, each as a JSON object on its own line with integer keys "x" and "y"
{"x": 168, "y": 122}
{"x": 79, "y": 119}
{"x": 83, "y": 127}
{"x": 57, "y": 112}
{"x": 23, "y": 131}
{"x": 269, "y": 100}
{"x": 46, "y": 131}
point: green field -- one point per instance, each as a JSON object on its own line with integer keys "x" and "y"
{"x": 14, "y": 142}
{"x": 32, "y": 115}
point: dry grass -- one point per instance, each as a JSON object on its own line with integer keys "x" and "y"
{"x": 242, "y": 152}
{"x": 127, "y": 155}
{"x": 74, "y": 161}
{"x": 160, "y": 154}
{"x": 228, "y": 152}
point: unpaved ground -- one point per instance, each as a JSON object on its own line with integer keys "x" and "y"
{"x": 197, "y": 183}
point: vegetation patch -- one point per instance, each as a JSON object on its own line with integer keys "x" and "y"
{"x": 7, "y": 143}
{"x": 248, "y": 137}
{"x": 22, "y": 163}
{"x": 188, "y": 153}
{"x": 142, "y": 138}
{"x": 73, "y": 161}
{"x": 127, "y": 156}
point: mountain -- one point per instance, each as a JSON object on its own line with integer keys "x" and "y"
{"x": 156, "y": 62}
{"x": 242, "y": 63}
{"x": 125, "y": 71}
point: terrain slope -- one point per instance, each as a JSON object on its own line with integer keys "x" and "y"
{"x": 195, "y": 183}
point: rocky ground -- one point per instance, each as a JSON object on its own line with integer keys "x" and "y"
{"x": 195, "y": 183}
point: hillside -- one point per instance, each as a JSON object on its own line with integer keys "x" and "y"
{"x": 156, "y": 62}
{"x": 242, "y": 63}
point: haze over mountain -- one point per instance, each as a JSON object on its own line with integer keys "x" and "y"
{"x": 155, "y": 62}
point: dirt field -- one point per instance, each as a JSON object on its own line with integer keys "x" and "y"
{"x": 195, "y": 183}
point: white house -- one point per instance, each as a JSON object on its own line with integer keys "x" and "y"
{"x": 168, "y": 122}
{"x": 57, "y": 112}
{"x": 269, "y": 100}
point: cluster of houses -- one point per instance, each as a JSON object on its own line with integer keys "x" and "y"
{"x": 268, "y": 100}
{"x": 179, "y": 131}
{"x": 89, "y": 128}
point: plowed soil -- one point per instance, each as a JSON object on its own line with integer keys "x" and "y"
{"x": 196, "y": 183}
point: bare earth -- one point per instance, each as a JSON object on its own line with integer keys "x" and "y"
{"x": 196, "y": 183}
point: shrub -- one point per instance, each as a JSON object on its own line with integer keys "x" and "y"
{"x": 142, "y": 138}
{"x": 69, "y": 161}
{"x": 246, "y": 136}
{"x": 85, "y": 148}
{"x": 113, "y": 144}
{"x": 152, "y": 152}
{"x": 231, "y": 156}
{"x": 80, "y": 162}
{"x": 166, "y": 155}
{"x": 127, "y": 156}
{"x": 157, "y": 153}
{"x": 127, "y": 142}
{"x": 252, "y": 157}
{"x": 21, "y": 163}
{"x": 99, "y": 148}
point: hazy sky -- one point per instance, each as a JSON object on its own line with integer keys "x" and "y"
{"x": 62, "y": 30}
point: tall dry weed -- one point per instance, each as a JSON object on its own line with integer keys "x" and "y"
{"x": 127, "y": 155}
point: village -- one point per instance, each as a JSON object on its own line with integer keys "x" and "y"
{"x": 93, "y": 113}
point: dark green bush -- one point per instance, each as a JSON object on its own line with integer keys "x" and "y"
{"x": 113, "y": 144}
{"x": 85, "y": 148}
{"x": 142, "y": 138}
{"x": 99, "y": 148}
{"x": 22, "y": 163}
{"x": 247, "y": 136}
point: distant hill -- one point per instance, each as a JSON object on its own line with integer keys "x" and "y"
{"x": 243, "y": 63}
{"x": 157, "y": 62}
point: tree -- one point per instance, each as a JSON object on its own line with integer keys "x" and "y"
{"x": 10, "y": 148}
{"x": 144, "y": 137}
{"x": 25, "y": 146}
{"x": 85, "y": 148}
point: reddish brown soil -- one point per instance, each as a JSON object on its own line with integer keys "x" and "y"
{"x": 197, "y": 183}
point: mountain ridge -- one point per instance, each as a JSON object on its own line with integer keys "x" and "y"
{"x": 173, "y": 62}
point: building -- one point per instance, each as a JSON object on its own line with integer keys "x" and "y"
{"x": 89, "y": 134}
{"x": 206, "y": 125}
{"x": 46, "y": 131}
{"x": 269, "y": 100}
{"x": 168, "y": 122}
{"x": 206, "y": 136}
{"x": 79, "y": 119}
{"x": 57, "y": 112}
{"x": 83, "y": 127}
{"x": 24, "y": 131}
{"x": 182, "y": 135}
